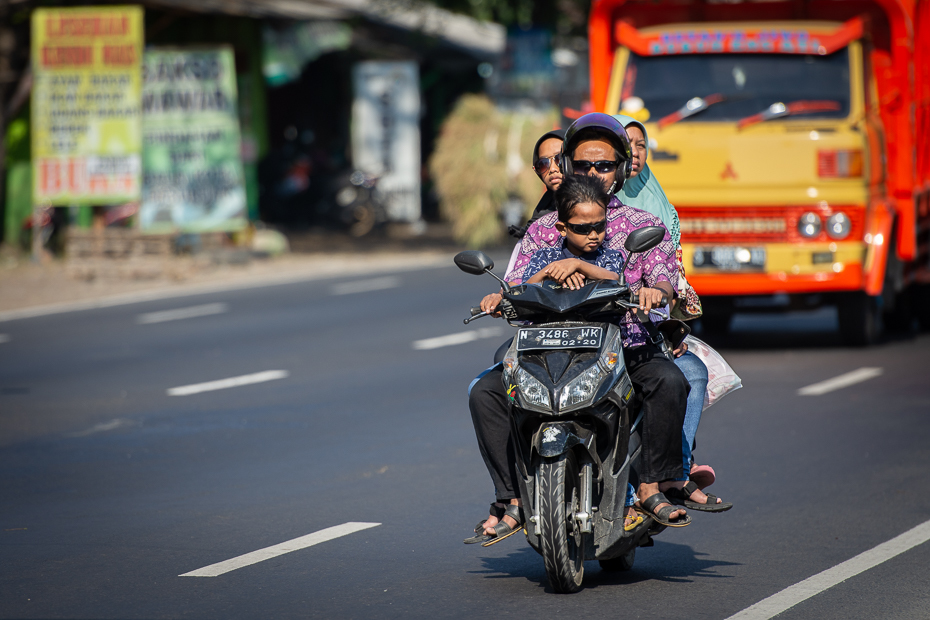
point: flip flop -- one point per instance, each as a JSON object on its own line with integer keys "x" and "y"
{"x": 480, "y": 536}
{"x": 682, "y": 497}
{"x": 635, "y": 524}
{"x": 661, "y": 516}
{"x": 502, "y": 530}
{"x": 702, "y": 475}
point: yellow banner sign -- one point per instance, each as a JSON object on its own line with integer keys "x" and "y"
{"x": 86, "y": 105}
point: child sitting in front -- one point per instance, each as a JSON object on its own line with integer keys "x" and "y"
{"x": 582, "y": 206}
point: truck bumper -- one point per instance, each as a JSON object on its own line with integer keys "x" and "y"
{"x": 789, "y": 268}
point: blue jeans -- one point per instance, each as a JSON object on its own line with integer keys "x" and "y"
{"x": 695, "y": 372}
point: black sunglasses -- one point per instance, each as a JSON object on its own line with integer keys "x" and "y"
{"x": 585, "y": 229}
{"x": 603, "y": 167}
{"x": 542, "y": 164}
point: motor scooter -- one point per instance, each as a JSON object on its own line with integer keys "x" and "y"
{"x": 576, "y": 421}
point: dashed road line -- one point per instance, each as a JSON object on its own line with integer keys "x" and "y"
{"x": 177, "y": 314}
{"x": 105, "y": 427}
{"x": 364, "y": 286}
{"x": 222, "y": 384}
{"x": 799, "y": 592}
{"x": 214, "y": 570}
{"x": 836, "y": 383}
{"x": 459, "y": 338}
{"x": 4, "y": 338}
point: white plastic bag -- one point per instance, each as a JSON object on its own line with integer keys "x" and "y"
{"x": 721, "y": 380}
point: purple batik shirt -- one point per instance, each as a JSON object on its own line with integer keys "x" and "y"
{"x": 644, "y": 270}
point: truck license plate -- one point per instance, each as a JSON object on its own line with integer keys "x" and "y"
{"x": 730, "y": 258}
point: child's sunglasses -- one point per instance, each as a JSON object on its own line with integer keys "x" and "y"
{"x": 603, "y": 167}
{"x": 585, "y": 229}
{"x": 542, "y": 164}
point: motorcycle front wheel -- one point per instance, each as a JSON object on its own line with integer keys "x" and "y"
{"x": 561, "y": 541}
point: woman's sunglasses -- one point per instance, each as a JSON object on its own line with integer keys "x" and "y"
{"x": 585, "y": 229}
{"x": 602, "y": 167}
{"x": 542, "y": 164}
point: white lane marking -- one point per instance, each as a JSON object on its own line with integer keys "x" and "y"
{"x": 274, "y": 551}
{"x": 222, "y": 384}
{"x": 836, "y": 383}
{"x": 363, "y": 286}
{"x": 459, "y": 338}
{"x": 791, "y": 596}
{"x": 189, "y": 312}
{"x": 4, "y": 337}
{"x": 103, "y": 427}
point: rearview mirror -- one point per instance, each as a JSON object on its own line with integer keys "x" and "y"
{"x": 474, "y": 262}
{"x": 644, "y": 239}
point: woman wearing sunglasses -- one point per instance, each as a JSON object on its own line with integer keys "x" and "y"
{"x": 546, "y": 159}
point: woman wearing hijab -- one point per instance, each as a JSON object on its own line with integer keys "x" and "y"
{"x": 642, "y": 191}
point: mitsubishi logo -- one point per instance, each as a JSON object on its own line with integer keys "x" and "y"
{"x": 728, "y": 172}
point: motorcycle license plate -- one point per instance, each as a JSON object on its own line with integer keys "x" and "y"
{"x": 530, "y": 338}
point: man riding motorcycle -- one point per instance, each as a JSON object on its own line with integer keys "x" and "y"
{"x": 596, "y": 144}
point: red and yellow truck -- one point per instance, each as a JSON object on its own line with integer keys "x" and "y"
{"x": 793, "y": 137}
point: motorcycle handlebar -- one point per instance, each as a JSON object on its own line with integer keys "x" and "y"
{"x": 477, "y": 313}
{"x": 635, "y": 300}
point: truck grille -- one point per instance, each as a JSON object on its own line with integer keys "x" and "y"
{"x": 758, "y": 224}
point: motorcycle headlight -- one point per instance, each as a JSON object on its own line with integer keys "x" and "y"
{"x": 581, "y": 389}
{"x": 809, "y": 225}
{"x": 534, "y": 392}
{"x": 838, "y": 226}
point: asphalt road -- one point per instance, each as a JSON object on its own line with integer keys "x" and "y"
{"x": 111, "y": 488}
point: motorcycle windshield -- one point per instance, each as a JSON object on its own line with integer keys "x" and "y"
{"x": 549, "y": 301}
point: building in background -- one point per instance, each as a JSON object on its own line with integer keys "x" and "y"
{"x": 294, "y": 64}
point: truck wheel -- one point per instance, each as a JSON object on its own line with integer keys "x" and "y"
{"x": 716, "y": 322}
{"x": 921, "y": 305}
{"x": 623, "y": 563}
{"x": 561, "y": 542}
{"x": 860, "y": 319}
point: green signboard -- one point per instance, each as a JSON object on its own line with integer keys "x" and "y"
{"x": 192, "y": 168}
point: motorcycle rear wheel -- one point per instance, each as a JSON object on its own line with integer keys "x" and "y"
{"x": 561, "y": 542}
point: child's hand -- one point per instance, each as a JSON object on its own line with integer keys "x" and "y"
{"x": 565, "y": 272}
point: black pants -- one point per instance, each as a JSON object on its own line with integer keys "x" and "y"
{"x": 665, "y": 395}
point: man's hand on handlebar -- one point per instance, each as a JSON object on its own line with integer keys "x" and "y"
{"x": 650, "y": 298}
{"x": 681, "y": 350}
{"x": 490, "y": 302}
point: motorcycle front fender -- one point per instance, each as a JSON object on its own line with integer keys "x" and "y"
{"x": 559, "y": 437}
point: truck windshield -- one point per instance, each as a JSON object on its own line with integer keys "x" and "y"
{"x": 749, "y": 83}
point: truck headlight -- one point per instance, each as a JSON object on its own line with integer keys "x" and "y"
{"x": 581, "y": 389}
{"x": 809, "y": 225}
{"x": 532, "y": 390}
{"x": 838, "y": 226}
